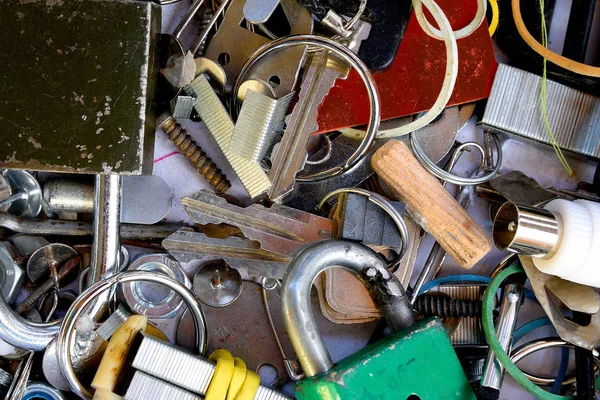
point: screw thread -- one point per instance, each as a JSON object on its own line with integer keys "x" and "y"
{"x": 443, "y": 306}
{"x": 188, "y": 147}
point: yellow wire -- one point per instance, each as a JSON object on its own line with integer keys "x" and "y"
{"x": 495, "y": 16}
{"x": 544, "y": 97}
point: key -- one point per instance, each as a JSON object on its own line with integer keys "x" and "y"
{"x": 322, "y": 73}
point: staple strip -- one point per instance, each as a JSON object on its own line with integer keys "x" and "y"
{"x": 514, "y": 107}
{"x": 261, "y": 120}
{"x": 217, "y": 120}
{"x": 188, "y": 371}
{"x": 144, "y": 387}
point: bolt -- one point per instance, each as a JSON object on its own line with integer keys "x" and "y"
{"x": 188, "y": 147}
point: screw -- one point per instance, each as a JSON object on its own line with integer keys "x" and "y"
{"x": 188, "y": 147}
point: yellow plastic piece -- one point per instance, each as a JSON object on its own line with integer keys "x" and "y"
{"x": 219, "y": 385}
{"x": 155, "y": 332}
{"x": 113, "y": 360}
{"x": 103, "y": 394}
{"x": 250, "y": 387}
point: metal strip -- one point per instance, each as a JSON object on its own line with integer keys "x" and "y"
{"x": 220, "y": 125}
{"x": 171, "y": 364}
{"x": 514, "y": 107}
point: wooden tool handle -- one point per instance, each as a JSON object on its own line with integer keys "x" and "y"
{"x": 440, "y": 213}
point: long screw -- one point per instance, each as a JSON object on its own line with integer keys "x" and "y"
{"x": 188, "y": 147}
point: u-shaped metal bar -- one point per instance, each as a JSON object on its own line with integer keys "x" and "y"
{"x": 371, "y": 269}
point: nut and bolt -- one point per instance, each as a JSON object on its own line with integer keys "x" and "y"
{"x": 188, "y": 147}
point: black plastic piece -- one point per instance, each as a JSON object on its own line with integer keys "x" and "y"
{"x": 388, "y": 21}
{"x": 579, "y": 29}
{"x": 507, "y": 38}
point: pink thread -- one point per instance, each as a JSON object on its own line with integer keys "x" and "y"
{"x": 166, "y": 156}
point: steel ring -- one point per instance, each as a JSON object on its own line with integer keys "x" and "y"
{"x": 388, "y": 208}
{"x": 452, "y": 178}
{"x": 356, "y": 63}
{"x": 67, "y": 328}
{"x": 541, "y": 344}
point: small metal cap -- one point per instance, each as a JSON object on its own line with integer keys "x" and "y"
{"x": 217, "y": 284}
{"x": 526, "y": 230}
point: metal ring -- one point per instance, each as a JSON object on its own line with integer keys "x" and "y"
{"x": 388, "y": 208}
{"x": 67, "y": 329}
{"x": 327, "y": 155}
{"x": 356, "y": 63}
{"x": 452, "y": 178}
{"x": 350, "y": 24}
{"x": 541, "y": 344}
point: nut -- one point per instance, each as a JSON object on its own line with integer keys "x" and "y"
{"x": 11, "y": 274}
{"x": 149, "y": 299}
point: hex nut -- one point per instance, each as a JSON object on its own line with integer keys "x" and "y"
{"x": 11, "y": 273}
{"x": 165, "y": 306}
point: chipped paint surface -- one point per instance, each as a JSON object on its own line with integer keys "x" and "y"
{"x": 87, "y": 89}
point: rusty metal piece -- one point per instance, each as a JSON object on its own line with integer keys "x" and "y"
{"x": 188, "y": 147}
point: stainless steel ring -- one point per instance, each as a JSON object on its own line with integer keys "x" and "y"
{"x": 540, "y": 344}
{"x": 388, "y": 208}
{"x": 350, "y": 24}
{"x": 450, "y": 177}
{"x": 356, "y": 63}
{"x": 67, "y": 328}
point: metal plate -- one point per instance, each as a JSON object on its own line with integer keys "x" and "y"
{"x": 78, "y": 81}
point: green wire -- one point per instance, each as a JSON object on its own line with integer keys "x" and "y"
{"x": 490, "y": 335}
{"x": 544, "y": 97}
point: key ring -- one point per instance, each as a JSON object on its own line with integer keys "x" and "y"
{"x": 452, "y": 178}
{"x": 67, "y": 328}
{"x": 541, "y": 344}
{"x": 349, "y": 57}
{"x": 388, "y": 208}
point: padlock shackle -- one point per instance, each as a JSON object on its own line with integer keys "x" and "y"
{"x": 384, "y": 287}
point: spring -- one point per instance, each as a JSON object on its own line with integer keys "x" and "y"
{"x": 444, "y": 306}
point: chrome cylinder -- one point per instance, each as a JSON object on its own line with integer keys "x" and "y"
{"x": 63, "y": 195}
{"x": 525, "y": 230}
{"x": 493, "y": 371}
{"x": 107, "y": 217}
{"x": 300, "y": 324}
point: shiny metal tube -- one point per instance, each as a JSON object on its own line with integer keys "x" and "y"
{"x": 370, "y": 268}
{"x": 493, "y": 371}
{"x": 525, "y": 230}
{"x": 107, "y": 217}
{"x": 67, "y": 329}
{"x": 55, "y": 227}
{"x": 21, "y": 333}
{"x": 64, "y": 195}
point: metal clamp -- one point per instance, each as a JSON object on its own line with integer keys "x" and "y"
{"x": 450, "y": 177}
{"x": 387, "y": 207}
{"x": 67, "y": 329}
{"x": 356, "y": 63}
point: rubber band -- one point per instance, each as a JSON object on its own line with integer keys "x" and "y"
{"x": 231, "y": 380}
{"x": 450, "y": 76}
{"x": 459, "y": 34}
{"x": 570, "y": 65}
{"x": 219, "y": 385}
{"x": 250, "y": 387}
{"x": 490, "y": 335}
{"x": 495, "y": 16}
{"x": 238, "y": 378}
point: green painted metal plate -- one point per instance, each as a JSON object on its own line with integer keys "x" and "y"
{"x": 77, "y": 83}
{"x": 416, "y": 364}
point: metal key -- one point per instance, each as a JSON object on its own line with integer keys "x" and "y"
{"x": 322, "y": 73}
